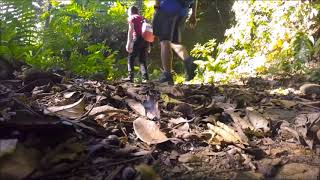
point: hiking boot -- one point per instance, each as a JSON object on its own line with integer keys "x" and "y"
{"x": 166, "y": 77}
{"x": 130, "y": 78}
{"x": 145, "y": 78}
{"x": 189, "y": 68}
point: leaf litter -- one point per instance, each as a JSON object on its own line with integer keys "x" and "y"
{"x": 77, "y": 128}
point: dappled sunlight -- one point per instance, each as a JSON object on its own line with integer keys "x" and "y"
{"x": 269, "y": 37}
{"x": 243, "y": 104}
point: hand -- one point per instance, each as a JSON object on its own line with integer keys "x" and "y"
{"x": 129, "y": 48}
{"x": 192, "y": 21}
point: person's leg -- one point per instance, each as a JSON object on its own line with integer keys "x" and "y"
{"x": 164, "y": 28}
{"x": 166, "y": 55}
{"x": 131, "y": 58}
{"x": 143, "y": 55}
{"x": 181, "y": 51}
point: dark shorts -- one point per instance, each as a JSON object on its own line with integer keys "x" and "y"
{"x": 168, "y": 26}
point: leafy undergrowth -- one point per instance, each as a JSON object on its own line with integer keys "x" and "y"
{"x": 57, "y": 127}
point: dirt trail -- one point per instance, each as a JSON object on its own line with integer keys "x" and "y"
{"x": 68, "y": 128}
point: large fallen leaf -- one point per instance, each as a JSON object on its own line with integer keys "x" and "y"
{"x": 148, "y": 131}
{"x": 105, "y": 109}
{"x": 224, "y": 133}
{"x": 71, "y": 111}
{"x": 257, "y": 120}
{"x": 303, "y": 125}
{"x": 136, "y": 107}
{"x": 244, "y": 123}
{"x": 182, "y": 131}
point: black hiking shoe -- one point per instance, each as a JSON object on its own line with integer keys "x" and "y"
{"x": 189, "y": 68}
{"x": 166, "y": 77}
{"x": 130, "y": 78}
{"x": 145, "y": 78}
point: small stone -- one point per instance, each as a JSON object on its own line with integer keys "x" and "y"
{"x": 310, "y": 89}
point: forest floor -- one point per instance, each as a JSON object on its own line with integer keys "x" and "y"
{"x": 53, "y": 127}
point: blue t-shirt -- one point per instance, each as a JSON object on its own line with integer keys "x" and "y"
{"x": 173, "y": 6}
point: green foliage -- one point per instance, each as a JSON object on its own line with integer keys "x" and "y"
{"x": 148, "y": 9}
{"x": 268, "y": 37}
{"x": 315, "y": 75}
{"x": 17, "y": 28}
{"x": 73, "y": 36}
{"x": 204, "y": 51}
{"x": 95, "y": 62}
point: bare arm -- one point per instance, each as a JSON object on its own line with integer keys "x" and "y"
{"x": 130, "y": 37}
{"x": 193, "y": 16}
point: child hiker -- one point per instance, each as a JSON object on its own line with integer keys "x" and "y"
{"x": 136, "y": 45}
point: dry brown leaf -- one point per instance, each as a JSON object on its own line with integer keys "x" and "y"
{"x": 68, "y": 95}
{"x": 257, "y": 120}
{"x": 105, "y": 109}
{"x": 148, "y": 131}
{"x": 136, "y": 107}
{"x": 182, "y": 131}
{"x": 303, "y": 126}
{"x": 244, "y": 123}
{"x": 230, "y": 130}
{"x": 71, "y": 111}
{"x": 284, "y": 103}
{"x": 178, "y": 120}
{"x": 225, "y": 132}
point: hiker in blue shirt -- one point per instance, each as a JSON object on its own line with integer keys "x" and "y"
{"x": 168, "y": 22}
